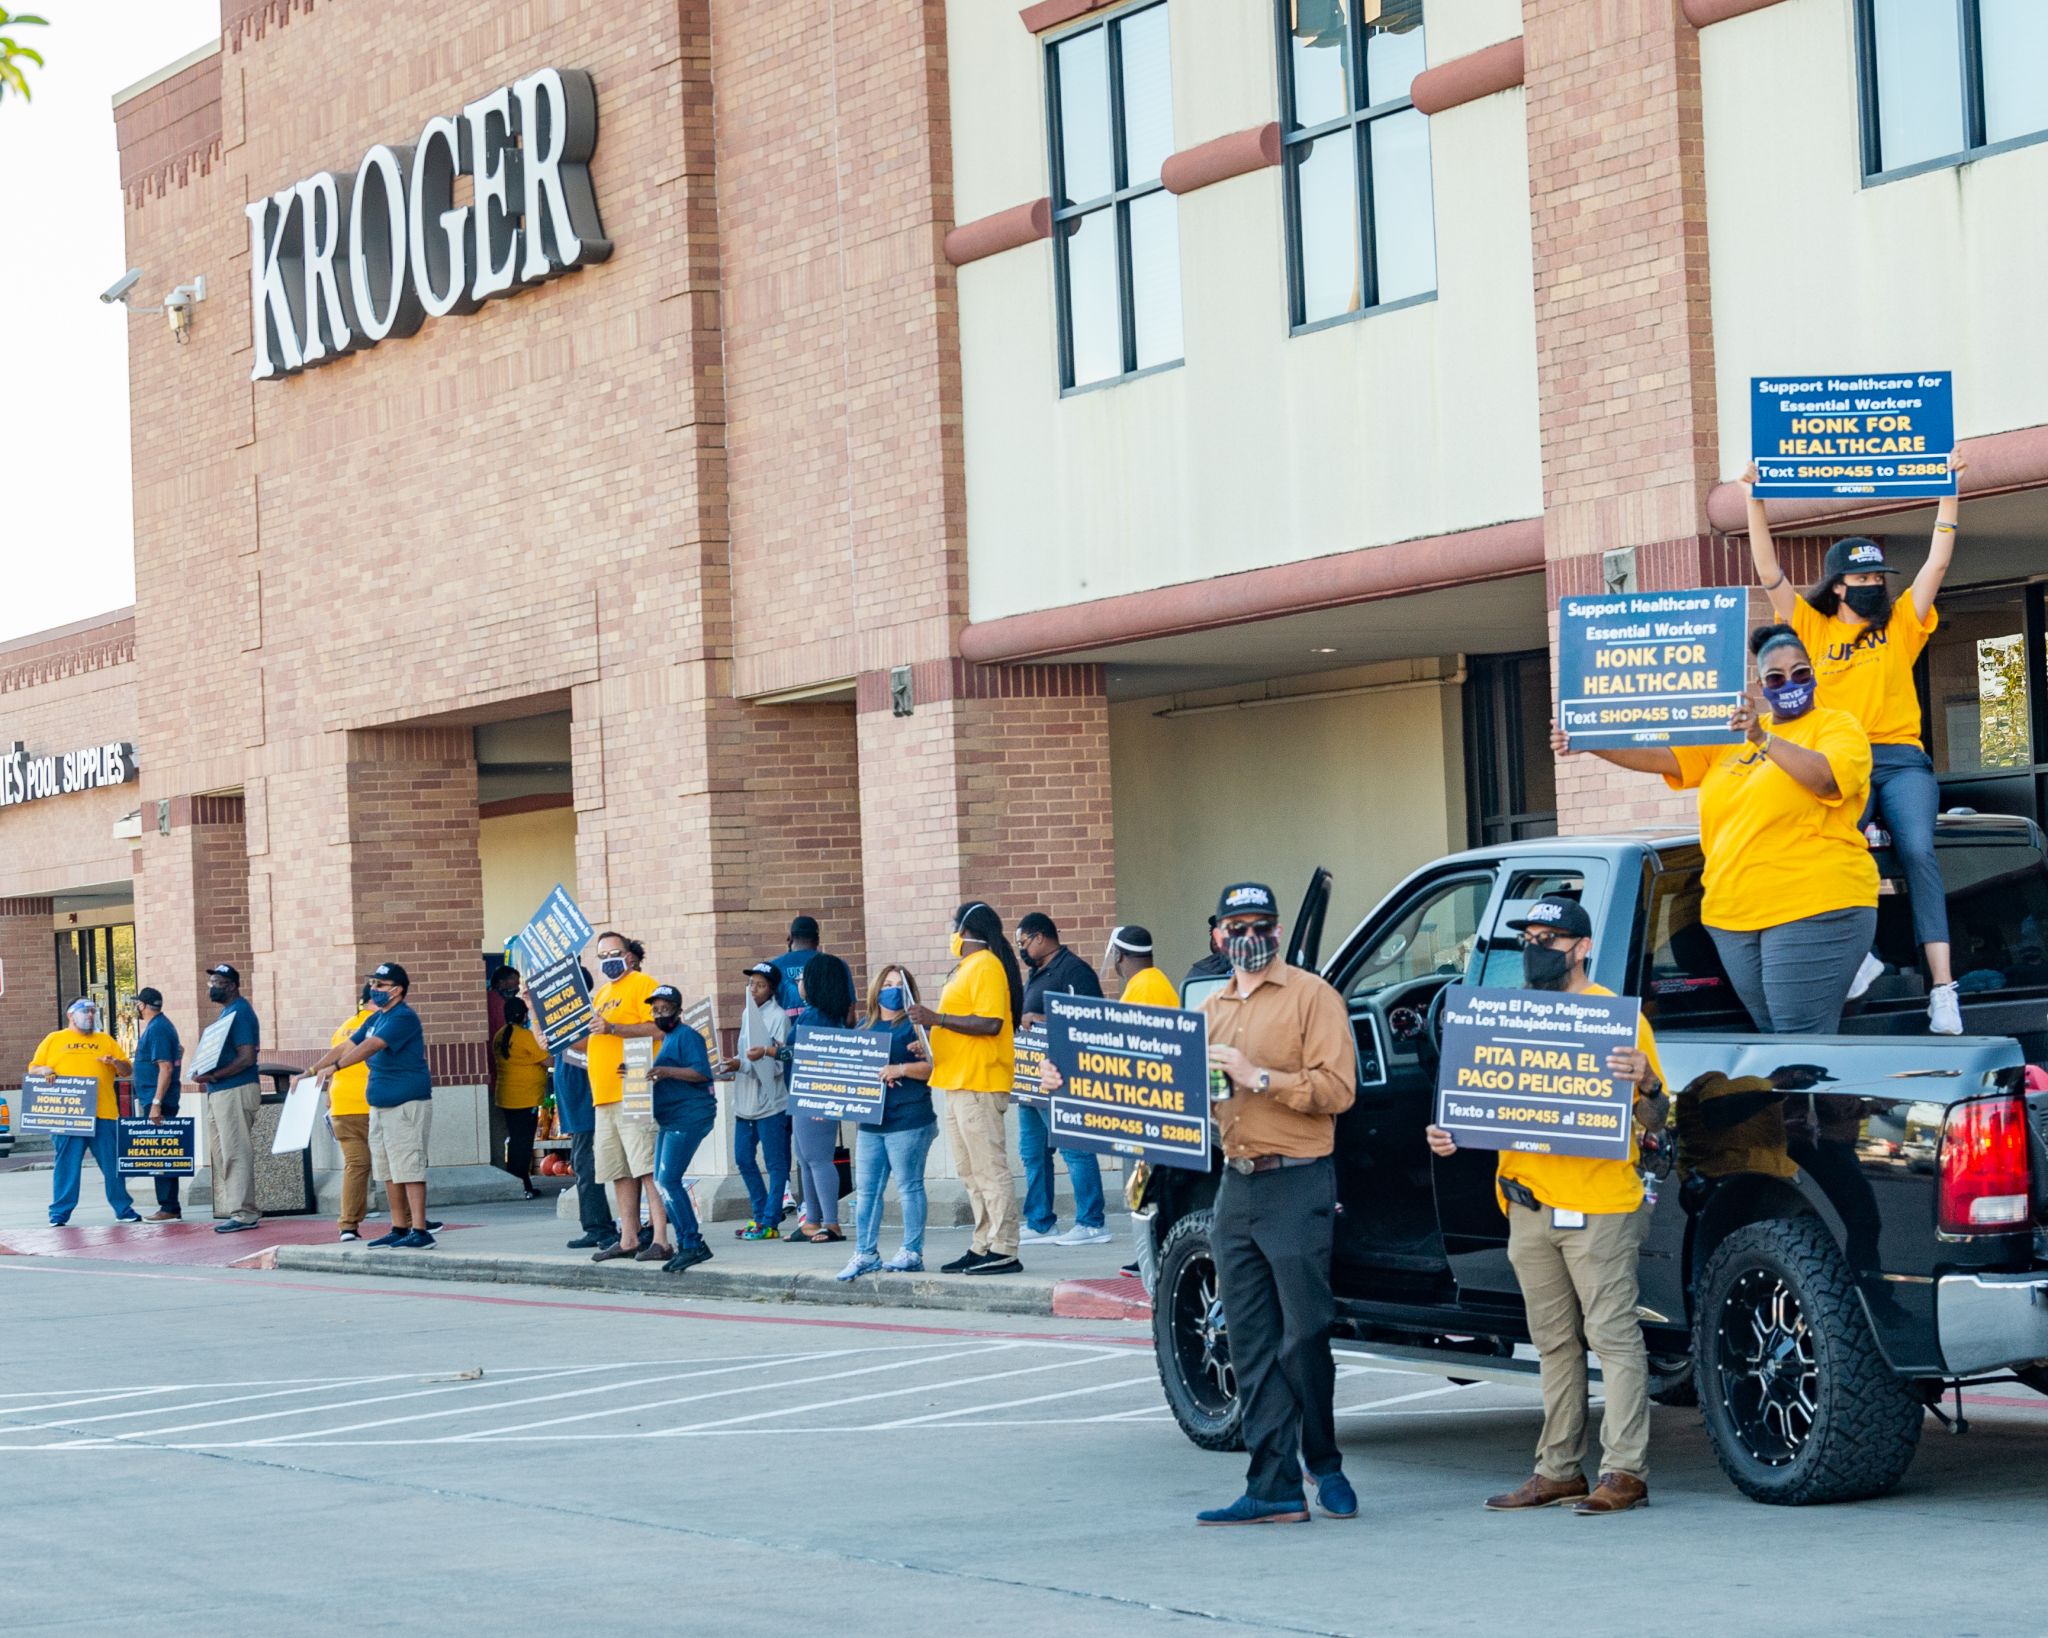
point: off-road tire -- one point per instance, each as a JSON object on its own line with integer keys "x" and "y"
{"x": 1780, "y": 1291}
{"x": 1205, "y": 1405}
{"x": 1673, "y": 1382}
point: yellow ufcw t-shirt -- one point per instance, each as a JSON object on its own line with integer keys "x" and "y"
{"x": 1872, "y": 679}
{"x": 1580, "y": 1182}
{"x": 348, "y": 1093}
{"x": 1150, "y": 988}
{"x": 519, "y": 1078}
{"x": 66, "y": 1052}
{"x": 1775, "y": 852}
{"x": 622, "y": 1001}
{"x": 975, "y": 1063}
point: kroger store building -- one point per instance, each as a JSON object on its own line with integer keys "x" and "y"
{"x": 739, "y": 458}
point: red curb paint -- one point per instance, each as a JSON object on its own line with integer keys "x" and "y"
{"x": 1121, "y": 1298}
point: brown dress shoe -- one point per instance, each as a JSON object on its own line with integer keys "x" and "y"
{"x": 1537, "y": 1491}
{"x": 1617, "y": 1493}
{"x": 165, "y": 1217}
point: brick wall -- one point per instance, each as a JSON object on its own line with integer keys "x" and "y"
{"x": 192, "y": 909}
{"x": 28, "y": 1011}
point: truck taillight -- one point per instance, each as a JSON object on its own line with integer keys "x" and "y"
{"x": 1984, "y": 1166}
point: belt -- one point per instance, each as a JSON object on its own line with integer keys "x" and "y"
{"x": 1246, "y": 1165}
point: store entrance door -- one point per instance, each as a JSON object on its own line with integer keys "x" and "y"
{"x": 99, "y": 962}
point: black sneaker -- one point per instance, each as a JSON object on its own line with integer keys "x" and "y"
{"x": 392, "y": 1238}
{"x": 348, "y": 1235}
{"x": 994, "y": 1263}
{"x": 416, "y": 1241}
{"x": 1130, "y": 1271}
{"x": 687, "y": 1258}
{"x": 430, "y": 1225}
{"x": 592, "y": 1242}
{"x": 967, "y": 1262}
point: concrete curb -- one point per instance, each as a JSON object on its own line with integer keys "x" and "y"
{"x": 993, "y": 1294}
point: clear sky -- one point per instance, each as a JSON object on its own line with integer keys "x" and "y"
{"x": 66, "y": 526}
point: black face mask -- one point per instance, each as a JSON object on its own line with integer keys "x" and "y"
{"x": 216, "y": 993}
{"x": 1868, "y": 602}
{"x": 665, "y": 1022}
{"x": 1545, "y": 969}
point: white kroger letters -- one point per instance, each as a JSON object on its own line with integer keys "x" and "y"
{"x": 336, "y": 266}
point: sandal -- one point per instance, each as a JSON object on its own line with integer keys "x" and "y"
{"x": 827, "y": 1235}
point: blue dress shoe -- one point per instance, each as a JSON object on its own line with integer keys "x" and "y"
{"x": 1334, "y": 1494}
{"x": 231, "y": 1225}
{"x": 1250, "y": 1510}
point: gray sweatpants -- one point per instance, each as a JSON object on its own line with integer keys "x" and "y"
{"x": 1794, "y": 977}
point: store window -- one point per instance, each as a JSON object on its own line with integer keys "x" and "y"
{"x": 99, "y": 962}
{"x": 1510, "y": 776}
{"x": 1947, "y": 80}
{"x": 1977, "y": 709}
{"x": 1361, "y": 223}
{"x": 1115, "y": 229}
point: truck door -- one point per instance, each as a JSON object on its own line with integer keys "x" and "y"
{"x": 1387, "y": 1239}
{"x": 1475, "y": 1233}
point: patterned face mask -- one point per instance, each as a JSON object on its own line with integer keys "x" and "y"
{"x": 1253, "y": 952}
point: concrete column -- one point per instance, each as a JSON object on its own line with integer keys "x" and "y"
{"x": 28, "y": 1009}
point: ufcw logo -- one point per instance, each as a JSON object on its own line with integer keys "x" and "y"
{"x": 337, "y": 263}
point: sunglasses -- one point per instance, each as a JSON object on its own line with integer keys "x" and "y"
{"x": 1778, "y": 679}
{"x": 1238, "y": 929}
{"x": 1546, "y": 941}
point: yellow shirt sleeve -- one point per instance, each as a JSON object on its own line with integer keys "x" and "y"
{"x": 1847, "y": 749}
{"x": 1695, "y": 762}
{"x": 1907, "y": 629}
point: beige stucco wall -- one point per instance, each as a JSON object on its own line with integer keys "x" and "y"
{"x": 1814, "y": 271}
{"x": 523, "y": 856}
{"x": 1369, "y": 786}
{"x": 1263, "y": 448}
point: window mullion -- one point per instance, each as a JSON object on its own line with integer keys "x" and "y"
{"x": 1970, "y": 59}
{"x": 1368, "y": 227}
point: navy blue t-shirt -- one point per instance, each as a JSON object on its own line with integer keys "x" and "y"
{"x": 245, "y": 1031}
{"x": 158, "y": 1044}
{"x": 572, "y": 1097}
{"x": 676, "y": 1101}
{"x": 398, "y": 1074}
{"x": 790, "y": 964}
{"x": 907, "y": 1105}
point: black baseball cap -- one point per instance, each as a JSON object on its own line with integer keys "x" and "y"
{"x": 1854, "y": 556}
{"x": 1246, "y": 899}
{"x": 665, "y": 992}
{"x": 1556, "y": 914}
{"x": 150, "y": 996}
{"x": 392, "y": 973}
{"x": 224, "y": 971}
{"x": 763, "y": 969}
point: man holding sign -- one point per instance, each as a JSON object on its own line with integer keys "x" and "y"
{"x": 82, "y": 1053}
{"x": 1573, "y": 1238}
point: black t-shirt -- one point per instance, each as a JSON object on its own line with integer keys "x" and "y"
{"x": 1064, "y": 973}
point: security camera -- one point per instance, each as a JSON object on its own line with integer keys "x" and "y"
{"x": 121, "y": 286}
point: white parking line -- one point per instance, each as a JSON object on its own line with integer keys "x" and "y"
{"x": 1011, "y": 1404}
{"x": 203, "y": 1404}
{"x": 1374, "y": 1405}
{"x": 752, "y": 1362}
{"x": 526, "y": 1430}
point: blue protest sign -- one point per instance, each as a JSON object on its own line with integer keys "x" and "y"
{"x": 1527, "y": 1070}
{"x": 1660, "y": 668}
{"x": 1134, "y": 1080}
{"x": 1845, "y": 435}
{"x": 550, "y": 944}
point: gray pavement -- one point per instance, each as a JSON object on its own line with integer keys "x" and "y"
{"x": 315, "y": 1454}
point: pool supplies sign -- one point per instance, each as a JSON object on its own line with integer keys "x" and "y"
{"x": 1664, "y": 668}
{"x": 1847, "y": 435}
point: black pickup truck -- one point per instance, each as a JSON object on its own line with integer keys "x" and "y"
{"x": 1844, "y": 1226}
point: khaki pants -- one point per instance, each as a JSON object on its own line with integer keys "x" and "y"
{"x": 231, "y": 1147}
{"x": 352, "y": 1137}
{"x": 1580, "y": 1289}
{"x": 975, "y": 1134}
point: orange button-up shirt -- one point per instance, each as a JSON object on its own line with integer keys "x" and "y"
{"x": 1294, "y": 1027}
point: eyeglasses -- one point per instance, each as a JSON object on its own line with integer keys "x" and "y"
{"x": 1798, "y": 674}
{"x": 1238, "y": 929}
{"x": 1546, "y": 941}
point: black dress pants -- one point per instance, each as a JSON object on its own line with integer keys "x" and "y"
{"x": 166, "y": 1187}
{"x": 1272, "y": 1240}
{"x": 593, "y": 1199}
{"x": 520, "y": 1125}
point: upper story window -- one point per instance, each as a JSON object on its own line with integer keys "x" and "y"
{"x": 1360, "y": 222}
{"x": 1109, "y": 93}
{"x": 1946, "y": 80}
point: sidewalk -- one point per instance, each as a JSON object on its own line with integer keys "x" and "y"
{"x": 523, "y": 1244}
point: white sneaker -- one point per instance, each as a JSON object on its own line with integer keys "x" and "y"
{"x": 1944, "y": 1016}
{"x": 1868, "y": 974}
{"x": 1082, "y": 1235}
{"x": 1029, "y": 1236}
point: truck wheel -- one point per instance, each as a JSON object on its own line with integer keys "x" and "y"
{"x": 1672, "y": 1381}
{"x": 1800, "y": 1405}
{"x": 1189, "y": 1340}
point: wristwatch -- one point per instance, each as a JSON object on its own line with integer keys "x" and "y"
{"x": 1262, "y": 1082}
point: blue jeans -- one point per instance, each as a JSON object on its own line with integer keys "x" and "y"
{"x": 71, "y": 1164}
{"x": 673, "y": 1148}
{"x": 877, "y": 1156}
{"x": 1903, "y": 788}
{"x": 770, "y": 1137}
{"x": 1034, "y": 1147}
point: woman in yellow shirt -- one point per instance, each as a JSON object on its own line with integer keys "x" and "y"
{"x": 973, "y": 1032}
{"x": 1864, "y": 642}
{"x": 1790, "y": 889}
{"x": 520, "y": 1071}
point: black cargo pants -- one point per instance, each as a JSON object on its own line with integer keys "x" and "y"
{"x": 1272, "y": 1240}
